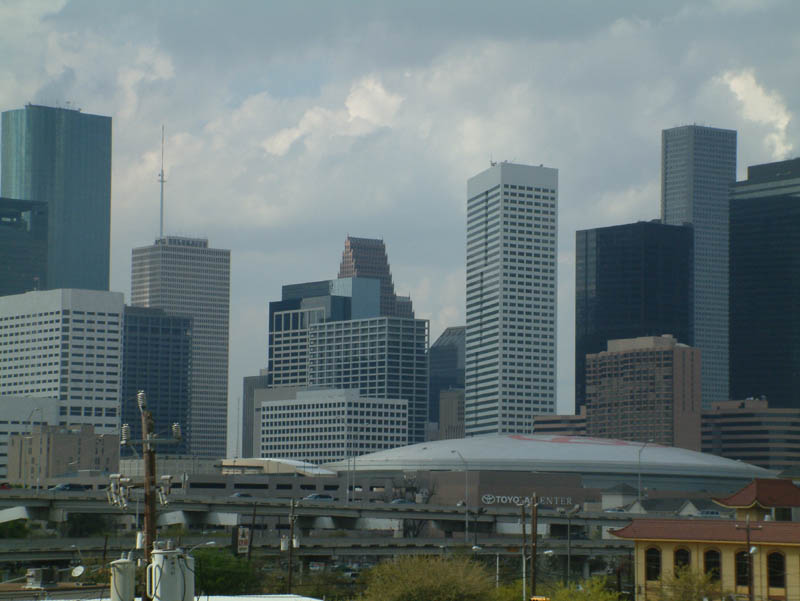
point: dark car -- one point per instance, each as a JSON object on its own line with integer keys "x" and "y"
{"x": 68, "y": 486}
{"x": 318, "y": 496}
{"x": 241, "y": 495}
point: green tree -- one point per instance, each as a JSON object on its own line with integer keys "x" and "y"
{"x": 14, "y": 529}
{"x": 594, "y": 589}
{"x": 690, "y": 585}
{"x": 428, "y": 579}
{"x": 218, "y": 572}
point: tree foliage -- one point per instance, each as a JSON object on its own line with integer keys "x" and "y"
{"x": 690, "y": 585}
{"x": 586, "y": 590}
{"x": 218, "y": 572}
{"x": 428, "y": 579}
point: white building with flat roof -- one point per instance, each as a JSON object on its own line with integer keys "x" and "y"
{"x": 319, "y": 426}
{"x": 512, "y": 240}
{"x": 66, "y": 345}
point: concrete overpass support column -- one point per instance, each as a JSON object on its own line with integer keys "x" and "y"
{"x": 585, "y": 568}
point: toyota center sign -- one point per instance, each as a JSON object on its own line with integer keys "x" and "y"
{"x": 489, "y": 499}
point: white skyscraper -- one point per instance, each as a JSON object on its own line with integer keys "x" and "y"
{"x": 184, "y": 276}
{"x": 66, "y": 345}
{"x": 512, "y": 237}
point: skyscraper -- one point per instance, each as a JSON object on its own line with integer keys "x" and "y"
{"x": 65, "y": 345}
{"x": 512, "y": 225}
{"x": 698, "y": 166}
{"x": 630, "y": 280}
{"x": 184, "y": 276}
{"x": 23, "y": 246}
{"x": 446, "y": 359}
{"x": 62, "y": 157}
{"x": 765, "y": 284}
{"x": 366, "y": 258}
{"x": 157, "y": 358}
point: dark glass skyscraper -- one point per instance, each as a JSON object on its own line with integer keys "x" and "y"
{"x": 157, "y": 358}
{"x": 765, "y": 284}
{"x": 698, "y": 166}
{"x": 23, "y": 246}
{"x": 446, "y": 359}
{"x": 62, "y": 157}
{"x": 631, "y": 281}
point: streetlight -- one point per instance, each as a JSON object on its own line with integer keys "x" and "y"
{"x": 466, "y": 495}
{"x": 639, "y": 487}
{"x": 568, "y": 514}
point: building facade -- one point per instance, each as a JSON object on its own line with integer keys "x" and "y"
{"x": 562, "y": 425}
{"x": 512, "y": 238}
{"x": 51, "y": 451}
{"x": 184, "y": 276}
{"x": 23, "y": 246}
{"x": 446, "y": 359}
{"x": 366, "y": 258}
{"x": 65, "y": 345}
{"x": 62, "y": 157}
{"x": 157, "y": 359}
{"x": 645, "y": 389}
{"x": 753, "y": 432}
{"x": 320, "y": 426}
{"x": 698, "y": 166}
{"x": 20, "y": 415}
{"x": 451, "y": 414}
{"x": 630, "y": 280}
{"x": 765, "y": 284}
{"x": 382, "y": 357}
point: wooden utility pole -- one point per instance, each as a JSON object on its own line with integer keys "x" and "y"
{"x": 252, "y": 532}
{"x": 534, "y": 529}
{"x": 149, "y": 457}
{"x": 747, "y": 527}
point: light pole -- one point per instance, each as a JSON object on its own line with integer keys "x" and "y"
{"x": 750, "y": 551}
{"x": 466, "y": 495}
{"x": 568, "y": 514}
{"x": 639, "y": 471}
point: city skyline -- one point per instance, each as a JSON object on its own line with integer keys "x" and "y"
{"x": 348, "y": 128}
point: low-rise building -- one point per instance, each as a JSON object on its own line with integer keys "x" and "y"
{"x": 51, "y": 451}
{"x": 752, "y": 431}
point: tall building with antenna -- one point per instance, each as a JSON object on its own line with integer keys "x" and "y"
{"x": 185, "y": 276}
{"x": 60, "y": 157}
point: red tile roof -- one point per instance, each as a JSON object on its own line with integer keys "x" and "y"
{"x": 721, "y": 531}
{"x": 766, "y": 492}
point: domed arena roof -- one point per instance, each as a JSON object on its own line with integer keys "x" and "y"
{"x": 549, "y": 453}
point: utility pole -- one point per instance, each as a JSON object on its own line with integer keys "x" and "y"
{"x": 534, "y": 530}
{"x": 252, "y": 532}
{"x": 149, "y": 457}
{"x": 747, "y": 527}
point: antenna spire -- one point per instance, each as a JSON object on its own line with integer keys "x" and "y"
{"x": 162, "y": 181}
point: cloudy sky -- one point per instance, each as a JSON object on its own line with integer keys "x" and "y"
{"x": 292, "y": 124}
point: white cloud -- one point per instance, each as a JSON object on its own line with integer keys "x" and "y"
{"x": 763, "y": 107}
{"x": 367, "y": 107}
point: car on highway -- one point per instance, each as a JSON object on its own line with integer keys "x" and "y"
{"x": 318, "y": 496}
{"x": 69, "y": 487}
{"x": 401, "y": 501}
{"x": 241, "y": 495}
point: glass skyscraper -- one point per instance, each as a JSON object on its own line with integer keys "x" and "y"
{"x": 631, "y": 280}
{"x": 698, "y": 166}
{"x": 765, "y": 284}
{"x": 62, "y": 157}
{"x": 512, "y": 233}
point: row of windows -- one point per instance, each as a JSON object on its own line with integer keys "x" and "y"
{"x": 712, "y": 565}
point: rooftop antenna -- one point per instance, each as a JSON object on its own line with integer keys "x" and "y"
{"x": 162, "y": 181}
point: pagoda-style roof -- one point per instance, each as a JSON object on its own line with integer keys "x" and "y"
{"x": 710, "y": 531}
{"x": 763, "y": 492}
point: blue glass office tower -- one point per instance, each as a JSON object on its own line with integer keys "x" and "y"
{"x": 23, "y": 246}
{"x": 62, "y": 157}
{"x": 157, "y": 358}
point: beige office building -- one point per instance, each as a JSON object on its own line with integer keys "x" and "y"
{"x": 645, "y": 389}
